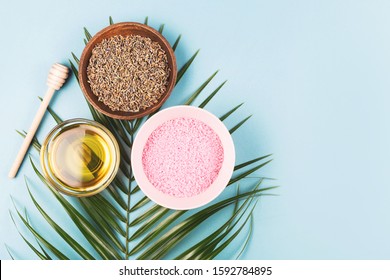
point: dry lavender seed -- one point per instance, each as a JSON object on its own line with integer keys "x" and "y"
{"x": 128, "y": 73}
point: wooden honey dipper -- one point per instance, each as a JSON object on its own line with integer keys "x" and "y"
{"x": 55, "y": 80}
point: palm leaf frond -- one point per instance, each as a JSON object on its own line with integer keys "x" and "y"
{"x": 52, "y": 113}
{"x": 161, "y": 29}
{"x": 237, "y": 126}
{"x": 185, "y": 67}
{"x": 228, "y": 113}
{"x": 121, "y": 223}
{"x": 34, "y": 141}
{"x": 73, "y": 243}
{"x": 9, "y": 251}
{"x": 32, "y": 247}
{"x": 176, "y": 42}
{"x": 41, "y": 239}
{"x": 200, "y": 89}
{"x": 88, "y": 35}
{"x": 208, "y": 99}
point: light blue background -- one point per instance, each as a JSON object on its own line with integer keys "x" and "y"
{"x": 315, "y": 75}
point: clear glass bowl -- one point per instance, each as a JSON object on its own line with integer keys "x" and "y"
{"x": 80, "y": 157}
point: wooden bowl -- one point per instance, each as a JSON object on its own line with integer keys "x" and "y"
{"x": 125, "y": 29}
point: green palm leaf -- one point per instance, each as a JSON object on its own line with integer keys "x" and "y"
{"x": 41, "y": 239}
{"x": 176, "y": 42}
{"x": 73, "y": 243}
{"x": 120, "y": 222}
{"x": 32, "y": 247}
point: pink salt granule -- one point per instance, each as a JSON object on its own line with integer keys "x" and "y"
{"x": 182, "y": 157}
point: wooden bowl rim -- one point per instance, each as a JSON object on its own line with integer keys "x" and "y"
{"x": 83, "y": 64}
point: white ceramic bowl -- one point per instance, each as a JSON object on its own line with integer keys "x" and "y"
{"x": 220, "y": 182}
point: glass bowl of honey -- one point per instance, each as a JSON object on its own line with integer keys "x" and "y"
{"x": 80, "y": 157}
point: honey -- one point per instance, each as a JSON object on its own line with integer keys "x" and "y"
{"x": 80, "y": 158}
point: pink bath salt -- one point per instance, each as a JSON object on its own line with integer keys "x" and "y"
{"x": 182, "y": 157}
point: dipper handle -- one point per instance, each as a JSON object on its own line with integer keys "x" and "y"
{"x": 56, "y": 78}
